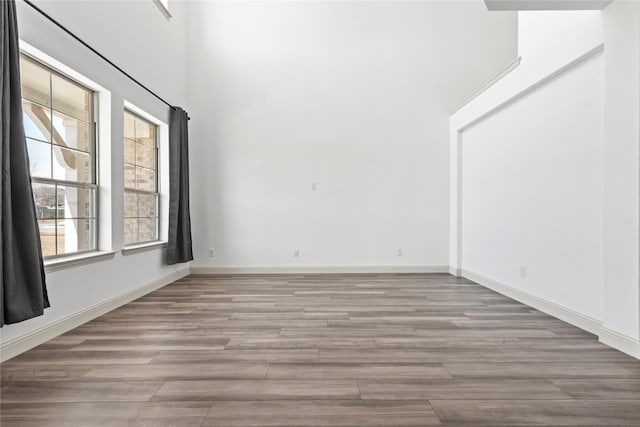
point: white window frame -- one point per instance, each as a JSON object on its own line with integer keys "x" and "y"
{"x": 162, "y": 179}
{"x": 102, "y": 119}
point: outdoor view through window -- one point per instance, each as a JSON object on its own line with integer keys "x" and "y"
{"x": 58, "y": 123}
{"x": 140, "y": 180}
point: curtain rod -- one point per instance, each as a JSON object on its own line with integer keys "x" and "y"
{"x": 85, "y": 44}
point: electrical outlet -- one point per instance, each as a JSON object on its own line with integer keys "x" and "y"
{"x": 210, "y": 253}
{"x": 296, "y": 253}
{"x": 523, "y": 271}
{"x": 399, "y": 252}
{"x": 314, "y": 186}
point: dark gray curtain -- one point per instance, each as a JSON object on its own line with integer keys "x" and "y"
{"x": 23, "y": 294}
{"x": 179, "y": 245}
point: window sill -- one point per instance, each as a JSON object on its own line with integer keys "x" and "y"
{"x": 133, "y": 249}
{"x": 75, "y": 260}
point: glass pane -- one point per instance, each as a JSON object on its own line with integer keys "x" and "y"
{"x": 71, "y": 132}
{"x": 48, "y": 237}
{"x": 129, "y": 126}
{"x": 75, "y": 202}
{"x": 71, "y": 165}
{"x": 146, "y": 179}
{"x": 75, "y": 235}
{"x": 130, "y": 205}
{"x": 36, "y": 120}
{"x": 147, "y": 205}
{"x": 147, "y": 229}
{"x": 39, "y": 158}
{"x": 70, "y": 98}
{"x": 129, "y": 176}
{"x": 130, "y": 230}
{"x": 146, "y": 156}
{"x": 145, "y": 132}
{"x": 36, "y": 84}
{"x": 129, "y": 151}
{"x": 45, "y": 199}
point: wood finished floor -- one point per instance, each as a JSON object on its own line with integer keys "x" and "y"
{"x": 312, "y": 350}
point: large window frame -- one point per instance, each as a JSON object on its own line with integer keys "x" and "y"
{"x": 140, "y": 194}
{"x": 92, "y": 186}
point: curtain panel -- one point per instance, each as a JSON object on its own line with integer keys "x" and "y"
{"x": 23, "y": 294}
{"x": 179, "y": 245}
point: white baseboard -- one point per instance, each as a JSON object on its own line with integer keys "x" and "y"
{"x": 455, "y": 271}
{"x": 620, "y": 342}
{"x": 580, "y": 320}
{"x": 381, "y": 269}
{"x": 43, "y": 334}
{"x": 606, "y": 336}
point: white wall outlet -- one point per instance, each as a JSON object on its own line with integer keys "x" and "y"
{"x": 314, "y": 186}
{"x": 296, "y": 253}
{"x": 523, "y": 271}
{"x": 210, "y": 253}
{"x": 399, "y": 252}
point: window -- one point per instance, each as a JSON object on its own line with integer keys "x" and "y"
{"x": 140, "y": 180}
{"x": 59, "y": 126}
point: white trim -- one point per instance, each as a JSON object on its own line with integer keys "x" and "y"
{"x": 459, "y": 126}
{"x": 381, "y": 269}
{"x": 59, "y": 66}
{"x": 163, "y": 181}
{"x": 75, "y": 260}
{"x": 580, "y": 320}
{"x": 162, "y": 168}
{"x": 506, "y": 70}
{"x": 41, "y": 335}
{"x": 142, "y": 113}
{"x": 585, "y": 57}
{"x": 620, "y": 342}
{"x": 605, "y": 335}
{"x": 455, "y": 271}
{"x": 134, "y": 249}
{"x": 104, "y": 172}
{"x": 102, "y": 118}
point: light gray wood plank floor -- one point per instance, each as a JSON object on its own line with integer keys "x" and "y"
{"x": 322, "y": 350}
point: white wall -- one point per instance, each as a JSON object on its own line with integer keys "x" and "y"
{"x": 353, "y": 96}
{"x": 549, "y": 43}
{"x": 135, "y": 35}
{"x": 155, "y": 55}
{"x": 532, "y": 191}
{"x": 557, "y": 188}
{"x": 622, "y": 165}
